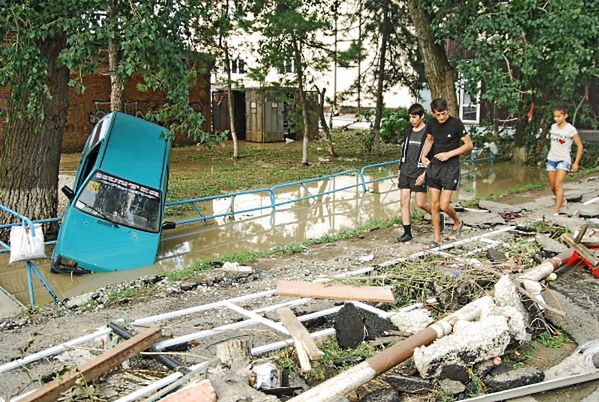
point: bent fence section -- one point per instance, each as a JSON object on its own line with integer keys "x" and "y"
{"x": 273, "y": 192}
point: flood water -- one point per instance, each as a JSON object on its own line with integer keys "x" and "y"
{"x": 264, "y": 229}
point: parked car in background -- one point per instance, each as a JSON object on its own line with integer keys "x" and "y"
{"x": 113, "y": 220}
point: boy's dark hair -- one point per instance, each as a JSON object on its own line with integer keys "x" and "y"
{"x": 439, "y": 105}
{"x": 416, "y": 109}
{"x": 562, "y": 109}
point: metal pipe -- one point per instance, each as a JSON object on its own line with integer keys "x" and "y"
{"x": 167, "y": 361}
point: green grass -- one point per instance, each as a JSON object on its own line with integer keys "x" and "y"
{"x": 553, "y": 341}
{"x": 264, "y": 165}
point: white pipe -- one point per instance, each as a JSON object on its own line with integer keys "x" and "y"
{"x": 278, "y": 345}
{"x": 54, "y": 350}
{"x": 269, "y": 323}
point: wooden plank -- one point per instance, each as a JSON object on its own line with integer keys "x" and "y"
{"x": 580, "y": 234}
{"x": 381, "y": 294}
{"x": 299, "y": 333}
{"x": 581, "y": 249}
{"x": 97, "y": 366}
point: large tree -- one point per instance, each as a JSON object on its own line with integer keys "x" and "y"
{"x": 438, "y": 71}
{"x": 40, "y": 41}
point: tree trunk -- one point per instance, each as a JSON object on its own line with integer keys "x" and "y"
{"x": 323, "y": 121}
{"x": 302, "y": 100}
{"x": 116, "y": 82}
{"x": 438, "y": 71}
{"x": 29, "y": 160}
{"x": 376, "y": 148}
{"x": 230, "y": 103}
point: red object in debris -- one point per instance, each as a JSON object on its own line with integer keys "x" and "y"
{"x": 575, "y": 258}
{"x": 196, "y": 392}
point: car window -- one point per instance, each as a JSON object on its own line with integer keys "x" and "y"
{"x": 121, "y": 202}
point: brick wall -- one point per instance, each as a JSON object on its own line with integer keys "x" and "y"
{"x": 85, "y": 109}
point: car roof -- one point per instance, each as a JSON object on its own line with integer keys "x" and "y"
{"x": 135, "y": 150}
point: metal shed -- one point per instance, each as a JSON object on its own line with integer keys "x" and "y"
{"x": 220, "y": 112}
{"x": 269, "y": 112}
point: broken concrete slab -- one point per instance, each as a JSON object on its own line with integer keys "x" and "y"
{"x": 354, "y": 325}
{"x": 452, "y": 387}
{"x": 410, "y": 385}
{"x": 499, "y": 208}
{"x": 230, "y": 387}
{"x": 383, "y": 395}
{"x": 496, "y": 255}
{"x": 481, "y": 219}
{"x": 349, "y": 327}
{"x": 573, "y": 224}
{"x": 514, "y": 378}
{"x": 470, "y": 343}
{"x": 581, "y": 210}
{"x": 549, "y": 244}
{"x": 580, "y": 323}
{"x": 412, "y": 321}
{"x": 455, "y": 372}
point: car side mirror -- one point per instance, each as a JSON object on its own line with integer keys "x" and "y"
{"x": 168, "y": 225}
{"x": 68, "y": 192}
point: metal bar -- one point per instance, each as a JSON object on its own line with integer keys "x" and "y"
{"x": 538, "y": 387}
{"x": 274, "y": 325}
{"x": 54, "y": 350}
{"x": 31, "y": 266}
{"x": 30, "y": 285}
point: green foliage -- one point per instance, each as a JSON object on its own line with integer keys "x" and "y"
{"x": 394, "y": 124}
{"x": 153, "y": 39}
{"x": 553, "y": 341}
{"x": 524, "y": 52}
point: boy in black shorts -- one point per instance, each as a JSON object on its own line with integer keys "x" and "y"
{"x": 443, "y": 136}
{"x": 411, "y": 173}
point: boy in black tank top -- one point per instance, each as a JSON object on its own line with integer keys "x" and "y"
{"x": 411, "y": 173}
{"x": 444, "y": 136}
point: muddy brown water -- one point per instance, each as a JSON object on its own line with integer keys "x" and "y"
{"x": 262, "y": 230}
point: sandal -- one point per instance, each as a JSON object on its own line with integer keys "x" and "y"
{"x": 454, "y": 234}
{"x": 432, "y": 245}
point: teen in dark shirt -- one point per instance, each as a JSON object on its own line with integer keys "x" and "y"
{"x": 444, "y": 137}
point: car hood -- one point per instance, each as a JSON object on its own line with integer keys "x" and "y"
{"x": 100, "y": 246}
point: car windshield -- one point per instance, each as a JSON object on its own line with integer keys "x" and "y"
{"x": 121, "y": 202}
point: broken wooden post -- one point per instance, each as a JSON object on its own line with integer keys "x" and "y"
{"x": 315, "y": 290}
{"x": 581, "y": 249}
{"x": 97, "y": 366}
{"x": 304, "y": 344}
{"x": 236, "y": 355}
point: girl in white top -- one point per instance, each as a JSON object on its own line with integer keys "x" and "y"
{"x": 559, "y": 162}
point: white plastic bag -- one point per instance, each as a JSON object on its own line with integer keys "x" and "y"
{"x": 24, "y": 246}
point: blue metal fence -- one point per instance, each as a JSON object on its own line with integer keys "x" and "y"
{"x": 31, "y": 268}
{"x": 273, "y": 191}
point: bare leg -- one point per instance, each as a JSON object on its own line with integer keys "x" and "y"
{"x": 551, "y": 178}
{"x": 559, "y": 188}
{"x": 448, "y": 209}
{"x": 421, "y": 202}
{"x": 435, "y": 210}
{"x": 405, "y": 205}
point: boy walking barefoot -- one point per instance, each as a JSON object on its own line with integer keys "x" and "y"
{"x": 411, "y": 173}
{"x": 443, "y": 136}
{"x": 558, "y": 159}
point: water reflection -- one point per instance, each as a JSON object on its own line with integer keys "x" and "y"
{"x": 261, "y": 230}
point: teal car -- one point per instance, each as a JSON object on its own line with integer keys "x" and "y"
{"x": 113, "y": 220}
